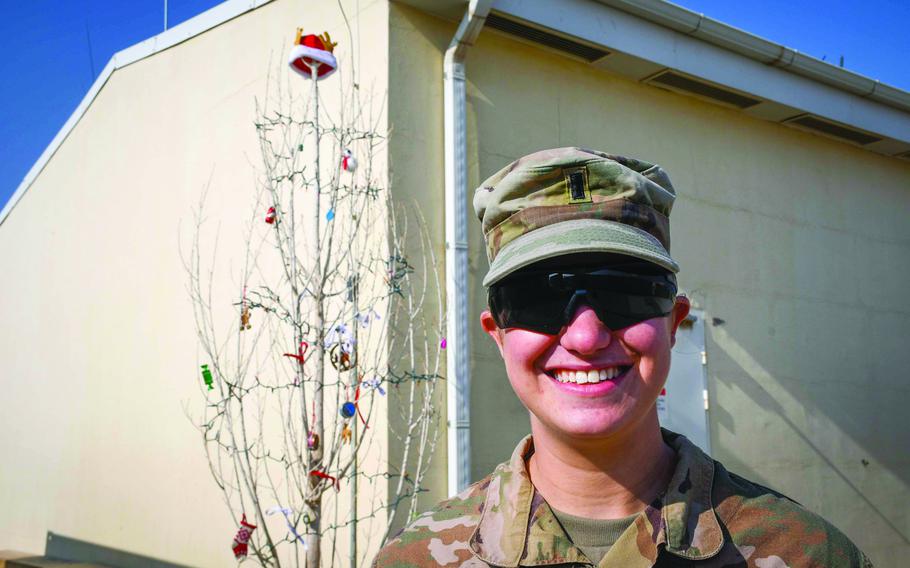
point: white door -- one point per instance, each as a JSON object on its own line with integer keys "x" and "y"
{"x": 683, "y": 404}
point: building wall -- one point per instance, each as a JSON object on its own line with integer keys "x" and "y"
{"x": 99, "y": 358}
{"x": 796, "y": 247}
{"x": 416, "y": 164}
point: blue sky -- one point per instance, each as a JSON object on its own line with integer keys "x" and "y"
{"x": 53, "y": 50}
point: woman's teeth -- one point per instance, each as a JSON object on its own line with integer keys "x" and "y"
{"x": 585, "y": 377}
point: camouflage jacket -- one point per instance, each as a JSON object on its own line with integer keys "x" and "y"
{"x": 708, "y": 517}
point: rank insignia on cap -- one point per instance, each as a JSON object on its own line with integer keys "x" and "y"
{"x": 577, "y": 185}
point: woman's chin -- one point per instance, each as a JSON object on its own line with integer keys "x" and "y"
{"x": 586, "y": 425}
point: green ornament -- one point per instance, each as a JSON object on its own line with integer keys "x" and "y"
{"x": 207, "y": 377}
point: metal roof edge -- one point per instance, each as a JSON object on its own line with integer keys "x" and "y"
{"x": 196, "y": 25}
{"x": 765, "y": 51}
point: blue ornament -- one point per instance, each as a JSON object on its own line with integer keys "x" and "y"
{"x": 348, "y": 410}
{"x": 330, "y": 215}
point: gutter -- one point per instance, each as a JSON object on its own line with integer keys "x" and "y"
{"x": 458, "y": 367}
{"x": 759, "y": 49}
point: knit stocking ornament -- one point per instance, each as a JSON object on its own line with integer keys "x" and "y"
{"x": 243, "y": 537}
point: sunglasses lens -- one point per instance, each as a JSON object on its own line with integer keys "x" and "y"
{"x": 618, "y": 311}
{"x": 528, "y": 303}
{"x": 541, "y": 301}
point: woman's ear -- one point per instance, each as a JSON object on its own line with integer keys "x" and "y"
{"x": 489, "y": 325}
{"x": 679, "y": 313}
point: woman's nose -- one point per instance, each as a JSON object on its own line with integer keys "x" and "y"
{"x": 585, "y": 333}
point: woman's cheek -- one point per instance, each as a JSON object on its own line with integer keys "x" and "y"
{"x": 522, "y": 348}
{"x": 650, "y": 343}
{"x": 648, "y": 337}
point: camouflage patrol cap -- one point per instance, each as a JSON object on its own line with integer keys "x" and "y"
{"x": 574, "y": 200}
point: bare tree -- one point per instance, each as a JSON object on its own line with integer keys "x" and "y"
{"x": 335, "y": 330}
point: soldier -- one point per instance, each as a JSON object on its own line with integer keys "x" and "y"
{"x": 583, "y": 307}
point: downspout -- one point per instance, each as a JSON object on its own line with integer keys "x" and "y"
{"x": 458, "y": 369}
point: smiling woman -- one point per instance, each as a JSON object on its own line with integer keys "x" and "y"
{"x": 558, "y": 377}
{"x": 584, "y": 312}
{"x": 607, "y": 345}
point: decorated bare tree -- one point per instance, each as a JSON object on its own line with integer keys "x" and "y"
{"x": 334, "y": 337}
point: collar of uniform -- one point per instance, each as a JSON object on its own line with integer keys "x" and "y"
{"x": 690, "y": 528}
{"x": 514, "y": 524}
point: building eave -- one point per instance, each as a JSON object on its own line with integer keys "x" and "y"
{"x": 647, "y": 38}
{"x": 760, "y": 49}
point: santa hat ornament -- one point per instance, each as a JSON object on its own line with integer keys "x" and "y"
{"x": 242, "y": 538}
{"x": 312, "y": 52}
{"x": 348, "y": 161}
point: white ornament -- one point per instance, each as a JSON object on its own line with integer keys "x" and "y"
{"x": 348, "y": 162}
{"x": 340, "y": 335}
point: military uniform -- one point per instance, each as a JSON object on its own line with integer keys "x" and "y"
{"x": 707, "y": 517}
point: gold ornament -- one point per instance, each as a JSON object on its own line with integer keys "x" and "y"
{"x": 245, "y": 318}
{"x": 341, "y": 359}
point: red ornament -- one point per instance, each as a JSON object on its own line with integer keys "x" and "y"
{"x": 243, "y": 537}
{"x": 324, "y": 475}
{"x": 313, "y": 52}
{"x": 357, "y": 406}
{"x": 271, "y": 215}
{"x": 301, "y": 351}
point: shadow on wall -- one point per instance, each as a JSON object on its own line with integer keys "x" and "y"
{"x": 872, "y": 481}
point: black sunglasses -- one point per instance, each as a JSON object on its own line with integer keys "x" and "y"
{"x": 545, "y": 300}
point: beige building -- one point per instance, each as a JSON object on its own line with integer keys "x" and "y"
{"x": 792, "y": 228}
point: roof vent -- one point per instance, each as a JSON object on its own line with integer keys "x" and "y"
{"x": 679, "y": 82}
{"x": 551, "y": 40}
{"x": 829, "y": 128}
